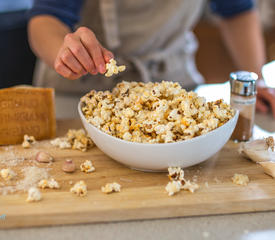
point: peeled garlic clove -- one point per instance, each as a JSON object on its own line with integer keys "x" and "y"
{"x": 43, "y": 157}
{"x": 269, "y": 168}
{"x": 257, "y": 151}
{"x": 68, "y": 166}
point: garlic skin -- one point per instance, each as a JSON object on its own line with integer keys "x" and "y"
{"x": 269, "y": 168}
{"x": 68, "y": 166}
{"x": 44, "y": 157}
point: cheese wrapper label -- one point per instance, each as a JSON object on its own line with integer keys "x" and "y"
{"x": 26, "y": 110}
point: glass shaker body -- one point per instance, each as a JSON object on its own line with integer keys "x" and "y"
{"x": 246, "y": 106}
{"x": 243, "y": 98}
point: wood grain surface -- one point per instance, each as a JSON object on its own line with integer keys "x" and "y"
{"x": 143, "y": 195}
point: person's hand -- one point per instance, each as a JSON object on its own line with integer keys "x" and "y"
{"x": 265, "y": 100}
{"x": 81, "y": 53}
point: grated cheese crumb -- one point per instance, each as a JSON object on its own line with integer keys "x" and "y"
{"x": 32, "y": 175}
{"x": 191, "y": 187}
{"x": 240, "y": 179}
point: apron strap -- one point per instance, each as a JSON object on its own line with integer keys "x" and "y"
{"x": 110, "y": 23}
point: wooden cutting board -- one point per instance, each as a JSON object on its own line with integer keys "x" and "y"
{"x": 143, "y": 195}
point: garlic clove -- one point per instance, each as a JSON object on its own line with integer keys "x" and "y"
{"x": 68, "y": 166}
{"x": 258, "y": 150}
{"x": 44, "y": 157}
{"x": 269, "y": 168}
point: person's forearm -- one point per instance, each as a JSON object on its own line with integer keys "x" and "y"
{"x": 243, "y": 37}
{"x": 46, "y": 35}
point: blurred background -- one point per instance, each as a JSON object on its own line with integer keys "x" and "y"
{"x": 16, "y": 58}
{"x": 18, "y": 62}
{"x": 218, "y": 69}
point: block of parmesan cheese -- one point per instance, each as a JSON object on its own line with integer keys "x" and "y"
{"x": 26, "y": 110}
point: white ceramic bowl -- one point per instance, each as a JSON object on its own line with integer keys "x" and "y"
{"x": 158, "y": 157}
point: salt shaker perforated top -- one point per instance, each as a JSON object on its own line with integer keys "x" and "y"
{"x": 243, "y": 98}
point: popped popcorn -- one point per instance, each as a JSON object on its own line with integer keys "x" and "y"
{"x": 240, "y": 179}
{"x": 153, "y": 112}
{"x": 87, "y": 166}
{"x": 7, "y": 174}
{"x": 34, "y": 195}
{"x": 175, "y": 173}
{"x": 112, "y": 68}
{"x": 28, "y": 141}
{"x": 178, "y": 182}
{"x": 44, "y": 183}
{"x": 74, "y": 139}
{"x": 111, "y": 187}
{"x": 80, "y": 189}
{"x": 173, "y": 187}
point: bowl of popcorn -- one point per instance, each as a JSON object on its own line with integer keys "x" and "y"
{"x": 153, "y": 126}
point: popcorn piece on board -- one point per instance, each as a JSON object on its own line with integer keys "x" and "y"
{"x": 79, "y": 188}
{"x": 74, "y": 139}
{"x": 34, "y": 195}
{"x": 175, "y": 173}
{"x": 87, "y": 166}
{"x": 28, "y": 141}
{"x": 111, "y": 187}
{"x": 173, "y": 187}
{"x": 44, "y": 183}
